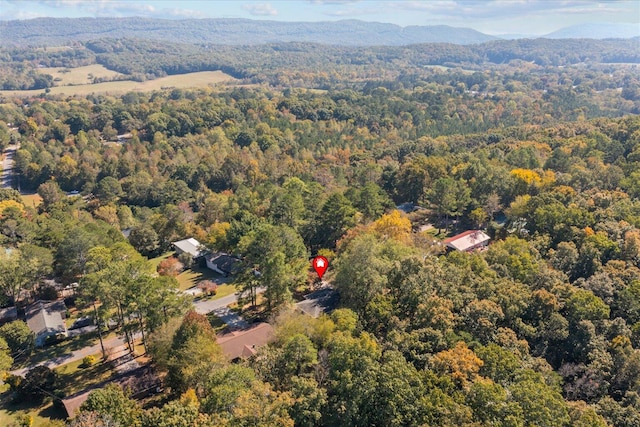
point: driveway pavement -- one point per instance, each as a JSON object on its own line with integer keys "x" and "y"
{"x": 231, "y": 318}
{"x": 207, "y": 306}
{"x": 6, "y": 178}
{"x": 73, "y": 356}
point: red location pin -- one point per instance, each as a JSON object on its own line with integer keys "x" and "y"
{"x": 320, "y": 265}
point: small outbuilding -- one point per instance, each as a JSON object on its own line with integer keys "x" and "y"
{"x": 468, "y": 241}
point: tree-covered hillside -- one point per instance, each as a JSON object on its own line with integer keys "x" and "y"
{"x": 56, "y": 32}
{"x": 540, "y": 329}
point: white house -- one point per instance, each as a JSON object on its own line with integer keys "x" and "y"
{"x": 190, "y": 246}
{"x": 468, "y": 241}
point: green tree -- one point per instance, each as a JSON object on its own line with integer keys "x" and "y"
{"x": 284, "y": 269}
{"x": 309, "y": 403}
{"x": 449, "y": 197}
{"x": 18, "y": 337}
{"x": 144, "y": 239}
{"x": 334, "y": 219}
{"x": 194, "y": 355}
{"x": 584, "y": 305}
{"x": 5, "y": 356}
{"x": 224, "y": 386}
{"x": 542, "y": 406}
{"x": 51, "y": 193}
{"x": 39, "y": 382}
{"x": 361, "y": 272}
{"x": 108, "y": 190}
{"x": 112, "y": 401}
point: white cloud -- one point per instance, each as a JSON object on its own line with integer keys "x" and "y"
{"x": 260, "y": 9}
{"x": 332, "y": 1}
{"x": 353, "y": 11}
{"x": 496, "y": 9}
{"x": 182, "y": 13}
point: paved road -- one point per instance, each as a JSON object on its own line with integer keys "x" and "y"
{"x": 6, "y": 178}
{"x": 207, "y": 306}
{"x": 219, "y": 306}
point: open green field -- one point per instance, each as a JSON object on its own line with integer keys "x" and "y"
{"x": 200, "y": 79}
{"x": 78, "y": 76}
{"x": 31, "y": 200}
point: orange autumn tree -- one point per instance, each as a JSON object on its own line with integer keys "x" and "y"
{"x": 461, "y": 363}
{"x": 170, "y": 267}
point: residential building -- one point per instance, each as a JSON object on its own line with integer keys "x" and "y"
{"x": 190, "y": 246}
{"x": 244, "y": 344}
{"x": 468, "y": 241}
{"x": 46, "y": 319}
{"x": 222, "y": 263}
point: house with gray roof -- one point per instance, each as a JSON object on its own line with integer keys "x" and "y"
{"x": 46, "y": 319}
{"x": 222, "y": 263}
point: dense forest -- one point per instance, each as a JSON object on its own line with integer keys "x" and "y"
{"x": 307, "y": 64}
{"x": 526, "y": 142}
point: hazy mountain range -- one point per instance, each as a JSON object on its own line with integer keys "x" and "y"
{"x": 55, "y": 32}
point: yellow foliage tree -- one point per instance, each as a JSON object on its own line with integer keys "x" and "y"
{"x": 193, "y": 229}
{"x": 6, "y": 204}
{"x": 393, "y": 226}
{"x": 217, "y": 234}
{"x": 527, "y": 176}
{"x": 108, "y": 214}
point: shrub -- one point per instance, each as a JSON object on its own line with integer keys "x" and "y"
{"x": 88, "y": 361}
{"x": 170, "y": 267}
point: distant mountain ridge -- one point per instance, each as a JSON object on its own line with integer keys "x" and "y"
{"x": 59, "y": 31}
{"x": 597, "y": 31}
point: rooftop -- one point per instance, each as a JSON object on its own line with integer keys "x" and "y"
{"x": 223, "y": 261}
{"x": 46, "y": 316}
{"x": 190, "y": 246}
{"x": 318, "y": 302}
{"x": 244, "y": 344}
{"x": 467, "y": 240}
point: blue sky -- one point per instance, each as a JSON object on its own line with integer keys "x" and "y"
{"x": 489, "y": 16}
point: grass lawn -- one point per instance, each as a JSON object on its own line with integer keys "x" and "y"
{"x": 190, "y": 277}
{"x": 31, "y": 200}
{"x": 224, "y": 290}
{"x": 61, "y": 349}
{"x": 45, "y": 415}
{"x": 76, "y": 378}
{"x": 216, "y": 323}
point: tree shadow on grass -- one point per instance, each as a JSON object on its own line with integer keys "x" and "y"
{"x": 54, "y": 411}
{"x": 58, "y": 352}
